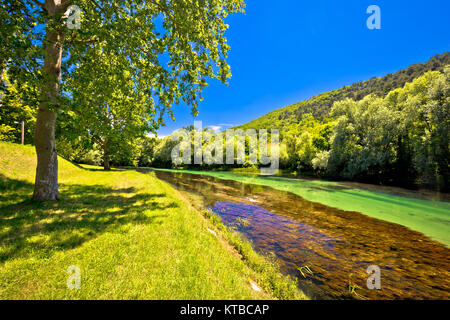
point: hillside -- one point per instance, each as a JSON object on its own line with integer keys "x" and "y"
{"x": 320, "y": 105}
{"x": 131, "y": 235}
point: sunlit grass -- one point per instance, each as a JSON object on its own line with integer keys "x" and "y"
{"x": 131, "y": 235}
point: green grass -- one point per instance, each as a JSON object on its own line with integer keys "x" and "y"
{"x": 131, "y": 235}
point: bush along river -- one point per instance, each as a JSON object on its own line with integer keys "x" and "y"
{"x": 327, "y": 234}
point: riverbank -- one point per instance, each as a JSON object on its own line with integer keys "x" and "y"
{"x": 131, "y": 235}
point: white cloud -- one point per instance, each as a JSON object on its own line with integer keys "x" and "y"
{"x": 152, "y": 135}
{"x": 215, "y": 128}
{"x": 220, "y": 126}
{"x": 226, "y": 124}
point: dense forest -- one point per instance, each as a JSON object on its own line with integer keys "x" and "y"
{"x": 391, "y": 130}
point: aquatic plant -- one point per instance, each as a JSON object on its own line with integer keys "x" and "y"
{"x": 306, "y": 269}
{"x": 242, "y": 222}
{"x": 352, "y": 289}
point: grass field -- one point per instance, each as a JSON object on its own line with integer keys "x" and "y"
{"x": 131, "y": 235}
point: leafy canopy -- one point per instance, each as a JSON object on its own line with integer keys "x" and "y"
{"x": 147, "y": 55}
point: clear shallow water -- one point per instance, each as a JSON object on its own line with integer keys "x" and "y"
{"x": 336, "y": 245}
{"x": 431, "y": 217}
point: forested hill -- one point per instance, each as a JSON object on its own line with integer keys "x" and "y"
{"x": 319, "y": 106}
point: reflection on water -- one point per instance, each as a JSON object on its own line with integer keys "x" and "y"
{"x": 336, "y": 245}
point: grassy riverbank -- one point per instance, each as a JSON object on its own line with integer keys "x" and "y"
{"x": 131, "y": 235}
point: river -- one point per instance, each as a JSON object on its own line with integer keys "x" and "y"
{"x": 326, "y": 234}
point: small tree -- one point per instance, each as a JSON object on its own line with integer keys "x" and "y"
{"x": 14, "y": 108}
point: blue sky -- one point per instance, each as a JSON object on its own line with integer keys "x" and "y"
{"x": 286, "y": 51}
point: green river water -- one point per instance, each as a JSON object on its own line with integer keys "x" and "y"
{"x": 431, "y": 217}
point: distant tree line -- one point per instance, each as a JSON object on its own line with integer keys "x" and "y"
{"x": 401, "y": 138}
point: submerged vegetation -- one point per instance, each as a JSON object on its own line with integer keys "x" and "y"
{"x": 305, "y": 270}
{"x": 352, "y": 287}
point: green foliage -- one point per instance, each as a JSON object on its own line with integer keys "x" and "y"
{"x": 14, "y": 109}
{"x": 404, "y": 135}
{"x": 163, "y": 153}
{"x": 6, "y": 132}
{"x": 303, "y": 141}
{"x": 147, "y": 151}
{"x": 426, "y": 123}
{"x": 121, "y": 72}
{"x": 18, "y": 49}
{"x": 363, "y": 138}
{"x": 352, "y": 287}
{"x": 399, "y": 139}
{"x": 126, "y": 58}
{"x": 74, "y": 148}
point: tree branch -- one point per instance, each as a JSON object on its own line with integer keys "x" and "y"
{"x": 165, "y": 9}
{"x": 65, "y": 4}
{"x": 42, "y": 5}
{"x": 97, "y": 5}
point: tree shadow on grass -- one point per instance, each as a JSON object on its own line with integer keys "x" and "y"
{"x": 81, "y": 166}
{"x": 13, "y": 190}
{"x": 83, "y": 213}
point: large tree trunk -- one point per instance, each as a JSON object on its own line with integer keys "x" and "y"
{"x": 106, "y": 164}
{"x": 46, "y": 183}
